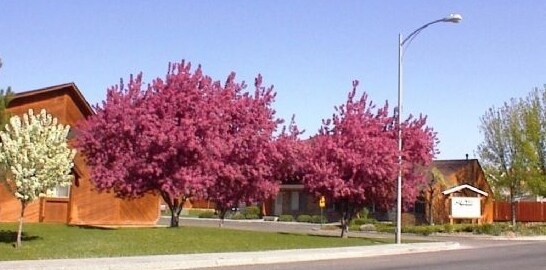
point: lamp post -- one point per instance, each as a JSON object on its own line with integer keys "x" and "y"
{"x": 452, "y": 18}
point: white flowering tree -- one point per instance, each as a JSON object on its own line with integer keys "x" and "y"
{"x": 34, "y": 153}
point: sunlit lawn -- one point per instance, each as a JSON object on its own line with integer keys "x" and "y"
{"x": 48, "y": 241}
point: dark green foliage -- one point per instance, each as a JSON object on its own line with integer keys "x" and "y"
{"x": 252, "y": 216}
{"x": 286, "y": 218}
{"x": 238, "y": 216}
{"x": 251, "y": 212}
{"x": 207, "y": 214}
{"x": 448, "y": 228}
{"x": 5, "y": 98}
{"x": 197, "y": 212}
{"x": 491, "y": 229}
{"x": 303, "y": 218}
{"x": 318, "y": 219}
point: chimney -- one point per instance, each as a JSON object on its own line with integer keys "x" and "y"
{"x": 466, "y": 156}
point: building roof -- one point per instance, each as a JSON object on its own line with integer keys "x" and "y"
{"x": 71, "y": 88}
{"x": 451, "y": 165}
{"x": 465, "y": 186}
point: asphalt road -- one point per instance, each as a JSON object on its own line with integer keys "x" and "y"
{"x": 502, "y": 255}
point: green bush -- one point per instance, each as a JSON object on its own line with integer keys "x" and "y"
{"x": 317, "y": 219}
{"x": 251, "y": 216}
{"x": 196, "y": 212}
{"x": 384, "y": 227}
{"x": 423, "y": 229}
{"x": 206, "y": 214}
{"x": 286, "y": 218}
{"x": 464, "y": 228}
{"x": 251, "y": 211}
{"x": 490, "y": 229}
{"x": 530, "y": 229}
{"x": 304, "y": 218}
{"x": 448, "y": 228}
{"x": 361, "y": 221}
{"x": 238, "y": 216}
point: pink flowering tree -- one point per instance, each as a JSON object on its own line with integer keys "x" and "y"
{"x": 354, "y": 157}
{"x": 291, "y": 152}
{"x": 242, "y": 167}
{"x": 154, "y": 139}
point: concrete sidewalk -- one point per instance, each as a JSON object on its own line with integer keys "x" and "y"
{"x": 191, "y": 261}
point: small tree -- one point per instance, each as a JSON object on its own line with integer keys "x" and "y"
{"x": 35, "y": 153}
{"x": 507, "y": 153}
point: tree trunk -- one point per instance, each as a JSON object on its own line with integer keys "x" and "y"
{"x": 431, "y": 213}
{"x": 175, "y": 219}
{"x": 175, "y": 205}
{"x": 346, "y": 216}
{"x": 344, "y": 228}
{"x": 20, "y": 231}
{"x": 513, "y": 206}
{"x": 222, "y": 216}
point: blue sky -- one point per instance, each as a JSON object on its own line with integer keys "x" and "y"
{"x": 309, "y": 50}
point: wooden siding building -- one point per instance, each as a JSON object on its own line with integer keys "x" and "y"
{"x": 456, "y": 173}
{"x": 79, "y": 204}
{"x": 292, "y": 198}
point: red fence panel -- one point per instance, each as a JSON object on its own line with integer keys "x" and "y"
{"x": 525, "y": 211}
{"x": 502, "y": 211}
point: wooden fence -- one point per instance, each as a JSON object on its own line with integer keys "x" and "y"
{"x": 525, "y": 211}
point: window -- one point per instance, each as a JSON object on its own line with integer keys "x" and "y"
{"x": 59, "y": 192}
{"x": 295, "y": 201}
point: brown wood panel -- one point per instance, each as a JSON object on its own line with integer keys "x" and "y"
{"x": 89, "y": 206}
{"x": 144, "y": 211}
{"x": 530, "y": 211}
{"x": 54, "y": 210}
{"x": 10, "y": 209}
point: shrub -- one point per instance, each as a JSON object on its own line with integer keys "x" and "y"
{"x": 490, "y": 229}
{"x": 317, "y": 219}
{"x": 361, "y": 221}
{"x": 196, "y": 212}
{"x": 206, "y": 214}
{"x": 423, "y": 230}
{"x": 238, "y": 216}
{"x": 251, "y": 211}
{"x": 286, "y": 218}
{"x": 384, "y": 227}
{"x": 251, "y": 216}
{"x": 304, "y": 218}
{"x": 448, "y": 228}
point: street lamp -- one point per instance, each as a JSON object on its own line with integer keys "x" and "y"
{"x": 452, "y": 18}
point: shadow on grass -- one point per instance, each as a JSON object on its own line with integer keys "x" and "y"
{"x": 370, "y": 239}
{"x": 11, "y": 236}
{"x": 95, "y": 227}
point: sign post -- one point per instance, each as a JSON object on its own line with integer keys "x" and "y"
{"x": 322, "y": 204}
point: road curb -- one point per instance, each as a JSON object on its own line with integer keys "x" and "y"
{"x": 192, "y": 261}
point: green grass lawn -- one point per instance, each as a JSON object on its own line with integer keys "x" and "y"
{"x": 49, "y": 241}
